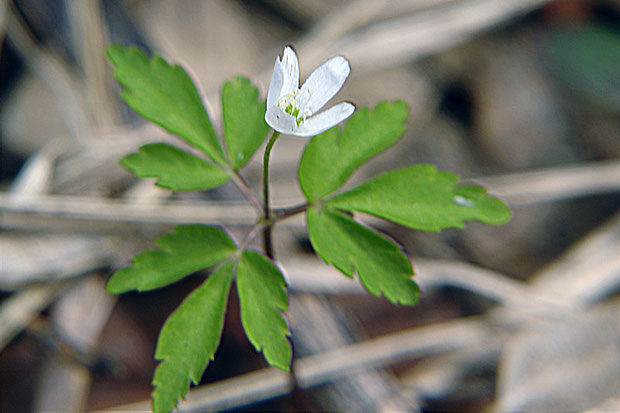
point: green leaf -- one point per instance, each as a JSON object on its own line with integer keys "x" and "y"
{"x": 262, "y": 296}
{"x": 244, "y": 120}
{"x": 189, "y": 338}
{"x": 166, "y": 95}
{"x": 331, "y": 157}
{"x": 185, "y": 250}
{"x": 423, "y": 198}
{"x": 352, "y": 248}
{"x": 174, "y": 168}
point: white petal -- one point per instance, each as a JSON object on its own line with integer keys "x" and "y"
{"x": 277, "y": 82}
{"x": 280, "y": 120}
{"x": 325, "y": 82}
{"x": 290, "y": 65}
{"x": 325, "y": 120}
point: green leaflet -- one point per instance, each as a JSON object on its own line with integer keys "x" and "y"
{"x": 245, "y": 128}
{"x": 262, "y": 295}
{"x": 185, "y": 250}
{"x": 165, "y": 95}
{"x": 423, "y": 198}
{"x": 174, "y": 168}
{"x": 189, "y": 338}
{"x": 352, "y": 248}
{"x": 331, "y": 157}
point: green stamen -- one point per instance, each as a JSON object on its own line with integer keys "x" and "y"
{"x": 290, "y": 107}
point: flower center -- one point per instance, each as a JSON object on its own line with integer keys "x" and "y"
{"x": 293, "y": 103}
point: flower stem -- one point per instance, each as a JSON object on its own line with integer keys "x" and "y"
{"x": 296, "y": 391}
{"x": 266, "y": 211}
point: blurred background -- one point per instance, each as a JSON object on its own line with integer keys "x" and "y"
{"x": 522, "y": 96}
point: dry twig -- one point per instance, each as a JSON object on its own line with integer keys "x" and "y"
{"x": 321, "y": 368}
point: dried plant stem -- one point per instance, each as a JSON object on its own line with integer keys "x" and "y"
{"x": 53, "y": 72}
{"x": 524, "y": 188}
{"x": 21, "y": 308}
{"x": 324, "y": 367}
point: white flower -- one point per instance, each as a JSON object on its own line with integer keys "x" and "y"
{"x": 291, "y": 109}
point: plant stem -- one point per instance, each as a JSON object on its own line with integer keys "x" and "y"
{"x": 250, "y": 236}
{"x": 247, "y": 191}
{"x": 280, "y": 214}
{"x": 266, "y": 212}
{"x": 296, "y": 391}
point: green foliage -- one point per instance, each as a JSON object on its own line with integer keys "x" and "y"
{"x": 583, "y": 57}
{"x": 331, "y": 157}
{"x": 423, "y": 198}
{"x": 244, "y": 120}
{"x": 165, "y": 95}
{"x": 352, "y": 248}
{"x": 189, "y": 339}
{"x": 262, "y": 295}
{"x": 174, "y": 168}
{"x": 185, "y": 250}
